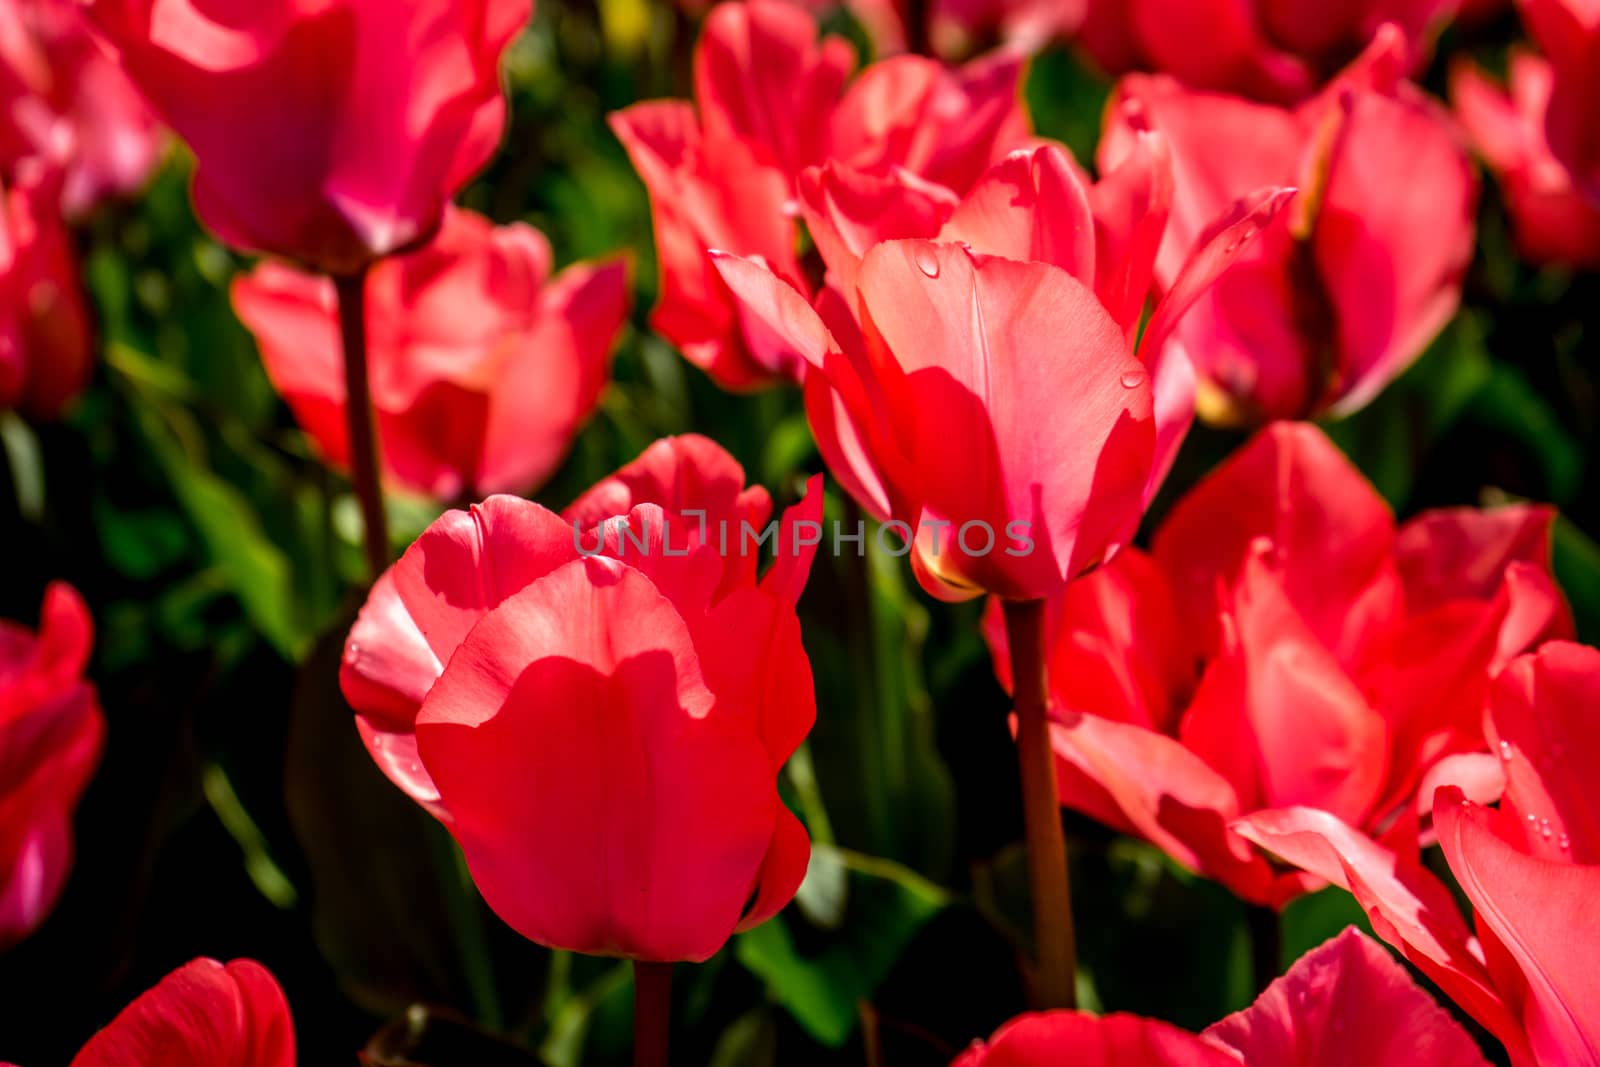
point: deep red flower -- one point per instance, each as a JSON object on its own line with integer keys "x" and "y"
{"x": 926, "y": 390}
{"x": 1278, "y": 51}
{"x": 601, "y": 727}
{"x": 769, "y": 102}
{"x": 1568, "y": 33}
{"x": 204, "y": 1014}
{"x": 1344, "y": 1002}
{"x": 484, "y": 367}
{"x": 51, "y": 733}
{"x": 46, "y": 347}
{"x": 330, "y": 132}
{"x": 1284, "y": 645}
{"x": 1347, "y": 288}
{"x": 1530, "y": 869}
{"x": 66, "y": 103}
{"x": 1554, "y": 222}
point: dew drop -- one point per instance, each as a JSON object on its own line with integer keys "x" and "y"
{"x": 1564, "y": 843}
{"x": 354, "y": 650}
{"x": 1133, "y": 379}
{"x": 927, "y": 261}
{"x": 1544, "y": 829}
{"x": 1505, "y": 750}
{"x": 1533, "y": 818}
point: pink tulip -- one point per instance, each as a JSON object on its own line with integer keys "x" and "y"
{"x": 204, "y": 1014}
{"x": 51, "y": 733}
{"x": 924, "y": 388}
{"x": 484, "y": 367}
{"x": 600, "y": 719}
{"x": 1347, "y": 289}
{"x": 46, "y": 348}
{"x": 330, "y": 132}
{"x": 1568, "y": 33}
{"x": 1284, "y": 645}
{"x": 1277, "y": 51}
{"x": 770, "y": 101}
{"x": 1345, "y": 1002}
{"x": 1553, "y": 221}
{"x": 67, "y": 104}
{"x": 1530, "y": 869}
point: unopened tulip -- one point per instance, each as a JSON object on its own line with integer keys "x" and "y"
{"x": 1530, "y": 869}
{"x": 770, "y": 100}
{"x": 204, "y": 1014}
{"x": 1286, "y": 646}
{"x": 925, "y": 389}
{"x": 330, "y": 132}
{"x": 1346, "y": 1001}
{"x": 1279, "y": 51}
{"x": 64, "y": 102}
{"x": 1553, "y": 221}
{"x": 51, "y": 732}
{"x": 484, "y": 367}
{"x": 1349, "y": 287}
{"x": 596, "y": 705}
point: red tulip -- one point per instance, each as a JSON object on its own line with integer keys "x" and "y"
{"x": 46, "y": 351}
{"x": 483, "y": 366}
{"x": 51, "y": 732}
{"x": 1342, "y": 664}
{"x": 1279, "y": 51}
{"x": 1568, "y": 32}
{"x": 1553, "y": 221}
{"x": 953, "y": 28}
{"x": 721, "y": 172}
{"x": 204, "y": 1014}
{"x": 331, "y": 132}
{"x": 924, "y": 388}
{"x": 1531, "y": 869}
{"x": 1345, "y": 1002}
{"x": 68, "y": 104}
{"x": 601, "y": 727}
{"x": 1346, "y": 290}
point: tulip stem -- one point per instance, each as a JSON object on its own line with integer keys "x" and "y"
{"x": 652, "y": 1012}
{"x": 352, "y": 293}
{"x": 1055, "y": 980}
{"x": 1266, "y": 944}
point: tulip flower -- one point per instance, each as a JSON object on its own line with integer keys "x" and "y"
{"x": 46, "y": 350}
{"x": 51, "y": 733}
{"x": 1552, "y": 219}
{"x": 596, "y": 705}
{"x": 204, "y": 1014}
{"x": 484, "y": 367}
{"x": 929, "y": 400}
{"x": 1285, "y": 646}
{"x": 1346, "y": 1001}
{"x": 1346, "y": 290}
{"x": 1568, "y": 33}
{"x": 66, "y": 103}
{"x": 1266, "y": 50}
{"x": 330, "y": 171}
{"x": 768, "y": 103}
{"x": 1531, "y": 869}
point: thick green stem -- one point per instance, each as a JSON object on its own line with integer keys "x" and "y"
{"x": 1055, "y": 979}
{"x": 352, "y": 293}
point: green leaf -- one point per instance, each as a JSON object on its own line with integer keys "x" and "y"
{"x": 822, "y": 986}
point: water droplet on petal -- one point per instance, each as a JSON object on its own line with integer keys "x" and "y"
{"x": 1505, "y": 750}
{"x": 1564, "y": 843}
{"x": 927, "y": 261}
{"x": 1133, "y": 379}
{"x": 1544, "y": 829}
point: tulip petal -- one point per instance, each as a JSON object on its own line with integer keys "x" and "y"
{"x": 203, "y": 1014}
{"x": 847, "y": 211}
{"x": 1347, "y": 1001}
{"x": 782, "y": 872}
{"x": 1032, "y": 205}
{"x": 644, "y": 806}
{"x": 1059, "y": 1037}
{"x": 1533, "y": 906}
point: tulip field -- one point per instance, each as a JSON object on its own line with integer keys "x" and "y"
{"x": 791, "y": 533}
